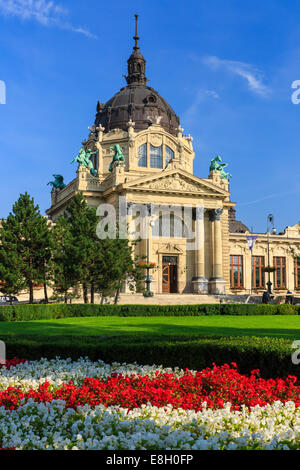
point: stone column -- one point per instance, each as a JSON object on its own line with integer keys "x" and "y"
{"x": 200, "y": 283}
{"x": 217, "y": 283}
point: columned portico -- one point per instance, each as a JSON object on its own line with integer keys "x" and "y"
{"x": 216, "y": 282}
{"x": 200, "y": 283}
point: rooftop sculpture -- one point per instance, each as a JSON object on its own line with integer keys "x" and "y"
{"x": 84, "y": 159}
{"x": 217, "y": 165}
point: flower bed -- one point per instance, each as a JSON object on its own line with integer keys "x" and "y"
{"x": 60, "y": 404}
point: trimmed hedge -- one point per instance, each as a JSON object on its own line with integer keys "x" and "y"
{"x": 271, "y": 355}
{"x": 28, "y": 312}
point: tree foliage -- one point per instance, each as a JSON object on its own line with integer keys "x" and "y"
{"x": 25, "y": 248}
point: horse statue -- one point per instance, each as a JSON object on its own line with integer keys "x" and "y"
{"x": 217, "y": 165}
{"x": 118, "y": 156}
{"x": 58, "y": 182}
{"x": 84, "y": 159}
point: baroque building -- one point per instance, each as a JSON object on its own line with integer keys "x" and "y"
{"x": 140, "y": 155}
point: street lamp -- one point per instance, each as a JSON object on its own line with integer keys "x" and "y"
{"x": 149, "y": 278}
{"x": 270, "y": 222}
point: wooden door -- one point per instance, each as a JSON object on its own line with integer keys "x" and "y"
{"x": 173, "y": 279}
{"x": 169, "y": 278}
{"x": 166, "y": 278}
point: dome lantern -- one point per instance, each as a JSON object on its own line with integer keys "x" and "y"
{"x": 136, "y": 62}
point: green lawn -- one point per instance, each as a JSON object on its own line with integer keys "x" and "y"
{"x": 284, "y": 326}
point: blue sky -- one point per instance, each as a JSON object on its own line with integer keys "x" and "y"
{"x": 225, "y": 67}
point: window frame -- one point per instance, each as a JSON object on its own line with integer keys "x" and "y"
{"x": 164, "y": 152}
{"x": 144, "y": 156}
{"x": 153, "y": 156}
{"x": 260, "y": 266}
{"x": 240, "y": 271}
{"x": 282, "y": 267}
{"x": 171, "y": 153}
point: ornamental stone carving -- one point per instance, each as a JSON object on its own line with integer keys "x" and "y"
{"x": 156, "y": 140}
{"x": 215, "y": 214}
{"x": 174, "y": 182}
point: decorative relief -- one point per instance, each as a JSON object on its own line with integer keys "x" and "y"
{"x": 174, "y": 182}
{"x": 169, "y": 248}
{"x": 156, "y": 140}
{"x": 170, "y": 144}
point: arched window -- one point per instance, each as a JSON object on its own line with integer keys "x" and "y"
{"x": 156, "y": 160}
{"x": 159, "y": 157}
{"x": 169, "y": 155}
{"x": 142, "y": 155}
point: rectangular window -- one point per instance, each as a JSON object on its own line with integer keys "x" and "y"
{"x": 236, "y": 272}
{"x": 297, "y": 273}
{"x": 280, "y": 272}
{"x": 258, "y": 263}
{"x": 156, "y": 159}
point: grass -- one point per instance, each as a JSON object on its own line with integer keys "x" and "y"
{"x": 276, "y": 326}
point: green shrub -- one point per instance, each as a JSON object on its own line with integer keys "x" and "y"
{"x": 53, "y": 311}
{"x": 271, "y": 355}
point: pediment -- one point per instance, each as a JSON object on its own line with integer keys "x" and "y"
{"x": 176, "y": 181}
{"x": 169, "y": 248}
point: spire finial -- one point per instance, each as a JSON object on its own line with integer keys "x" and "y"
{"x": 136, "y": 37}
{"x": 136, "y": 62}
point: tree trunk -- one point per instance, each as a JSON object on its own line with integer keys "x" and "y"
{"x": 92, "y": 293}
{"x": 102, "y": 299}
{"x": 66, "y": 298}
{"x": 117, "y": 295}
{"x": 46, "y": 293}
{"x": 31, "y": 293}
{"x": 85, "y": 294}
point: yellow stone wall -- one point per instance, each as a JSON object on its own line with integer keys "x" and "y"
{"x": 174, "y": 184}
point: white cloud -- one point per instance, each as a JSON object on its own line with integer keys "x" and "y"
{"x": 199, "y": 97}
{"x": 251, "y": 74}
{"x": 45, "y": 12}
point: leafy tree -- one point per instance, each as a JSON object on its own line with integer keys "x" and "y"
{"x": 80, "y": 257}
{"x": 114, "y": 264}
{"x": 25, "y": 247}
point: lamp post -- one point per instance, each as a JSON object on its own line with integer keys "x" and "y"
{"x": 270, "y": 221}
{"x": 148, "y": 279}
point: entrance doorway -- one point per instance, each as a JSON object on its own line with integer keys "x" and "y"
{"x": 169, "y": 275}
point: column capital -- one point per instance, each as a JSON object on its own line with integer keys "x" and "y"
{"x": 145, "y": 209}
{"x": 198, "y": 212}
{"x": 215, "y": 214}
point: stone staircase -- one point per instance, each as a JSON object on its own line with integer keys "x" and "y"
{"x": 168, "y": 299}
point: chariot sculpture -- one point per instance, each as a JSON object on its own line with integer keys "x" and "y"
{"x": 217, "y": 165}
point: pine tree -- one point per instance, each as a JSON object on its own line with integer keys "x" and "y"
{"x": 25, "y": 247}
{"x": 80, "y": 223}
{"x": 63, "y": 275}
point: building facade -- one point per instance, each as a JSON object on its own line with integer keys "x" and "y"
{"x": 143, "y": 161}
